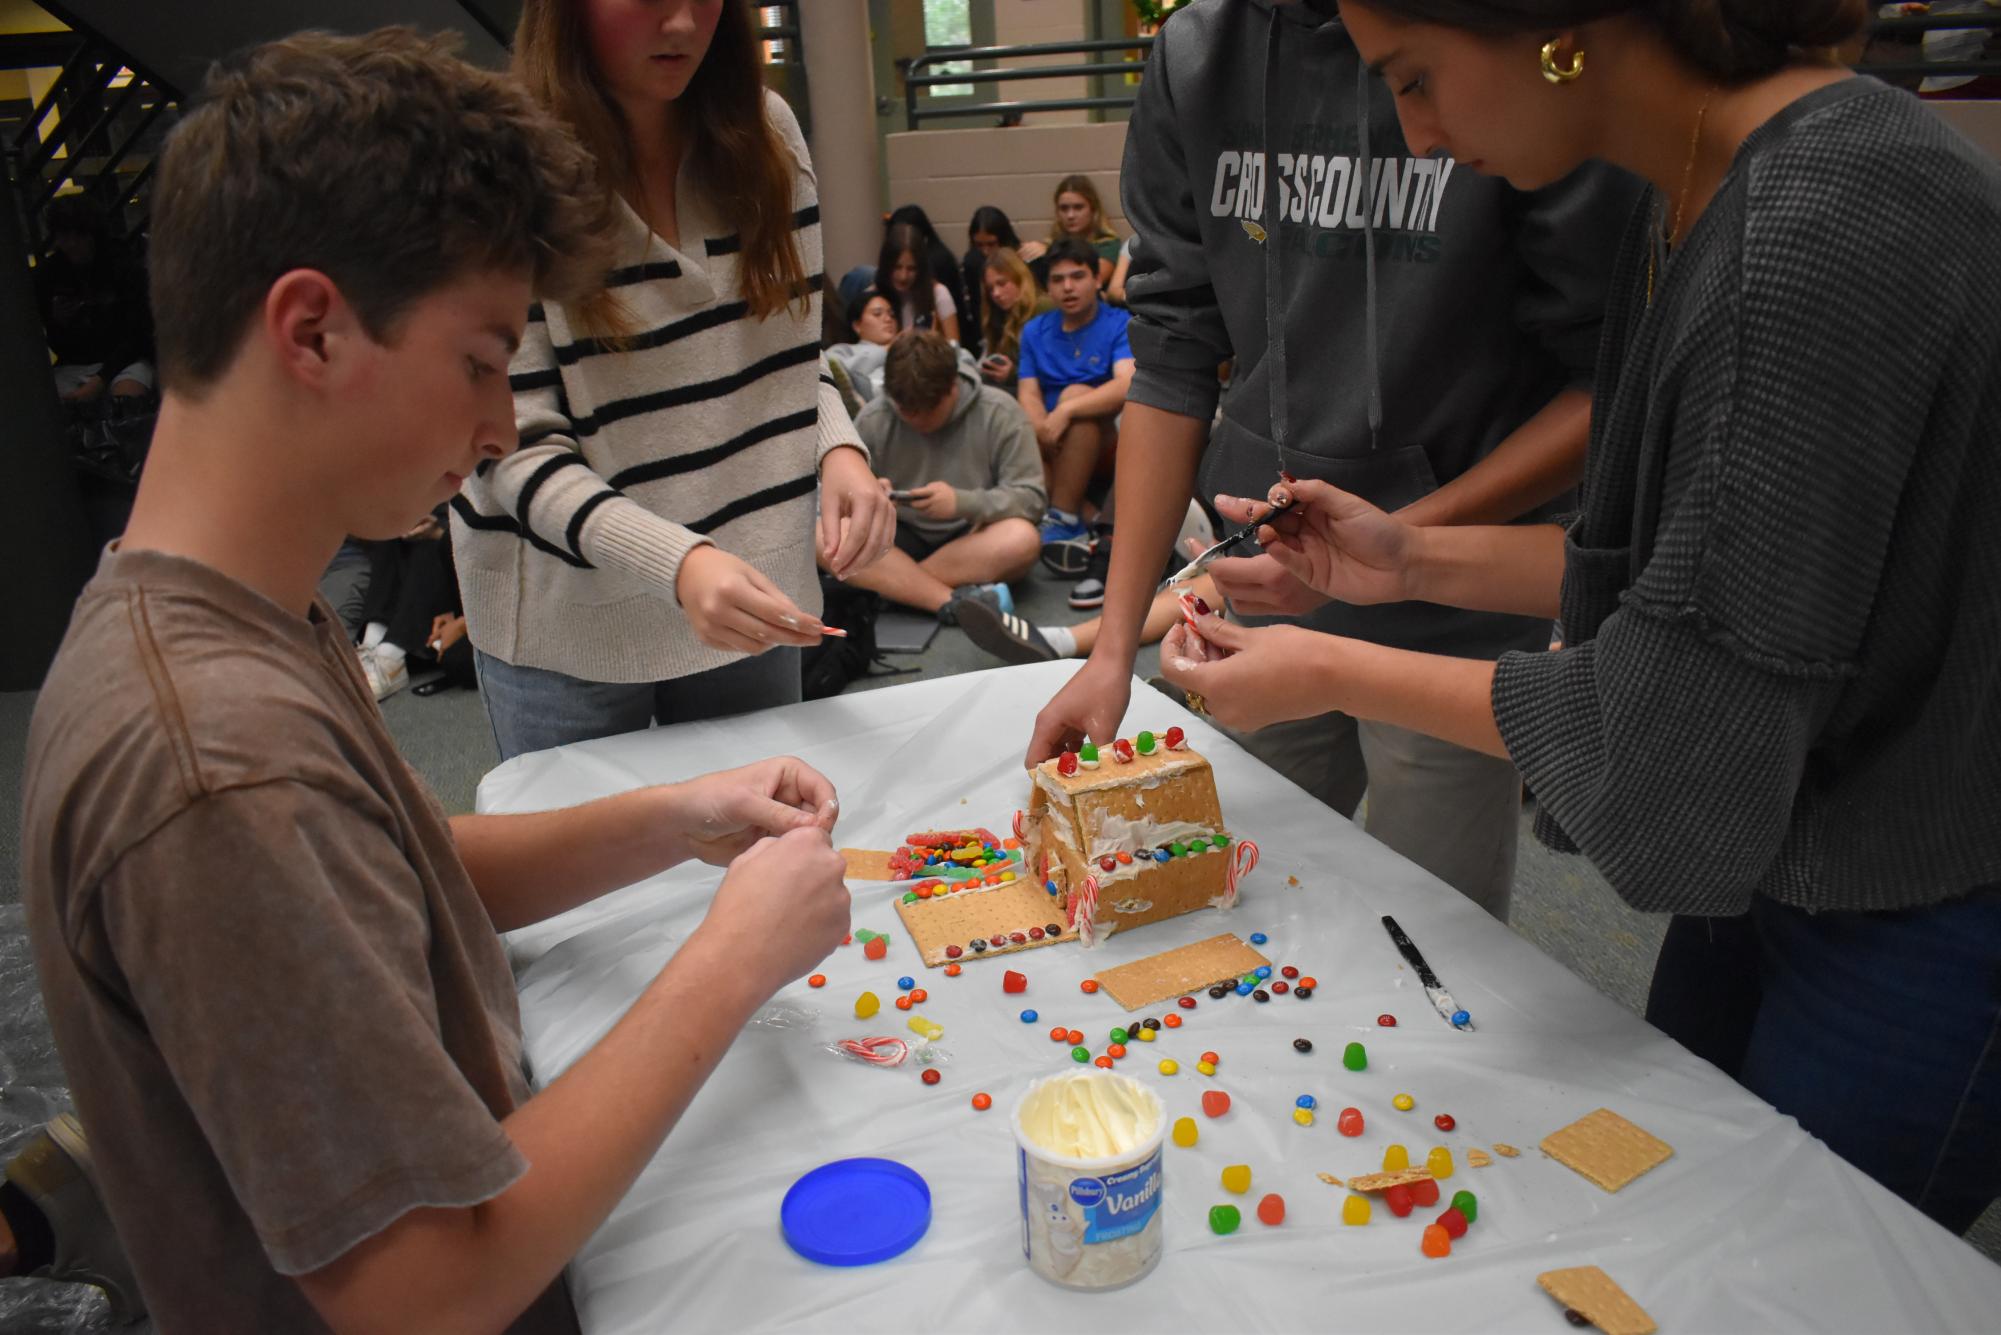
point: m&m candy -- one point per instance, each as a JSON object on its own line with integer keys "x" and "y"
{"x": 1444, "y": 1122}
{"x": 817, "y": 980}
{"x": 932, "y": 1075}
{"x": 982, "y": 1102}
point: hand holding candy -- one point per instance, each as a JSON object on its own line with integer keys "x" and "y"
{"x": 1248, "y": 676}
{"x": 1330, "y": 541}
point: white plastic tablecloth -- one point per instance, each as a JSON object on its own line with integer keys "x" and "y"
{"x": 1752, "y": 1225}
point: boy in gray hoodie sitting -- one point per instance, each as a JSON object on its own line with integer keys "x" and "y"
{"x": 960, "y": 460}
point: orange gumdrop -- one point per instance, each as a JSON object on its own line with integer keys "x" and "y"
{"x": 1437, "y": 1242}
{"x": 875, "y": 948}
{"x": 1271, "y": 1209}
{"x": 1215, "y": 1102}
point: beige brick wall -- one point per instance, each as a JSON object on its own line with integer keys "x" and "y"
{"x": 952, "y": 172}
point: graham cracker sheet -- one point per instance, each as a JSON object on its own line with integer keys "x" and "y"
{"x": 1402, "y": 1177}
{"x": 957, "y": 918}
{"x": 868, "y": 864}
{"x": 1606, "y": 1148}
{"x": 1590, "y": 1292}
{"x": 1173, "y": 973}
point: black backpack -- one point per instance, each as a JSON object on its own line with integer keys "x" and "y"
{"x": 828, "y": 667}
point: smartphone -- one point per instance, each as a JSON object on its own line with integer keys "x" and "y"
{"x": 993, "y": 361}
{"x": 903, "y": 495}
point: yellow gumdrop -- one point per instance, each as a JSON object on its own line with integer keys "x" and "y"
{"x": 1185, "y": 1132}
{"x": 1237, "y": 1178}
{"x": 927, "y": 1028}
{"x": 866, "y": 1005}
{"x": 1168, "y": 1067}
{"x": 1303, "y": 1116}
{"x": 1206, "y": 1068}
{"x": 1404, "y": 1102}
{"x": 1439, "y": 1161}
{"x": 1355, "y": 1210}
{"x": 1395, "y": 1159}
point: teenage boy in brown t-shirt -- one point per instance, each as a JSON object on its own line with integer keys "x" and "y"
{"x": 270, "y": 960}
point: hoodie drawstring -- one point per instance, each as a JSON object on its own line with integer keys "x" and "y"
{"x": 1367, "y": 168}
{"x": 1275, "y": 379}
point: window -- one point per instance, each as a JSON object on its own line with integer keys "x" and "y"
{"x": 949, "y": 23}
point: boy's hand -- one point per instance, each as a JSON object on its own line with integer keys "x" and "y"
{"x": 935, "y": 500}
{"x": 857, "y": 521}
{"x": 724, "y": 813}
{"x": 783, "y": 907}
{"x": 733, "y": 606}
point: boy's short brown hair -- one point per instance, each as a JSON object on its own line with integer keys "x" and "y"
{"x": 919, "y": 370}
{"x": 383, "y": 161}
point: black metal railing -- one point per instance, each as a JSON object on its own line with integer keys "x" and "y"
{"x": 930, "y": 70}
{"x": 96, "y": 131}
{"x": 915, "y": 83}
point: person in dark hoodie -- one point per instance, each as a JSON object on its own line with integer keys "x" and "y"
{"x": 960, "y": 460}
{"x": 1419, "y": 334}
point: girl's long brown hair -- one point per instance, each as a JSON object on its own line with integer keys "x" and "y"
{"x": 1003, "y": 327}
{"x": 1080, "y": 184}
{"x": 737, "y": 157}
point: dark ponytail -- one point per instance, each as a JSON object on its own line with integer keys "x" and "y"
{"x": 1730, "y": 41}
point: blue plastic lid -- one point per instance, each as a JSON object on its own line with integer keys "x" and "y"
{"x": 856, "y": 1212}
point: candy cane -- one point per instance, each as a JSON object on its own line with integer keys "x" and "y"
{"x": 1017, "y": 826}
{"x": 1242, "y": 861}
{"x": 1087, "y": 913}
{"x": 875, "y": 1051}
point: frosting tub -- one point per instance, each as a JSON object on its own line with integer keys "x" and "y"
{"x": 1088, "y": 1150}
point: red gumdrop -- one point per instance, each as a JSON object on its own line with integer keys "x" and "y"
{"x": 1175, "y": 737}
{"x": 1271, "y": 1209}
{"x": 1014, "y": 982}
{"x": 1350, "y": 1122}
{"x": 1215, "y": 1102}
{"x": 1424, "y": 1192}
{"x": 1453, "y": 1222}
{"x": 1066, "y": 764}
{"x": 1399, "y": 1201}
{"x": 875, "y": 948}
{"x": 1122, "y": 751}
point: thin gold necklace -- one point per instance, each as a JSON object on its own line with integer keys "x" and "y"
{"x": 1657, "y": 259}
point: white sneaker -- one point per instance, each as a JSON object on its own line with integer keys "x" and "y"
{"x": 386, "y": 673}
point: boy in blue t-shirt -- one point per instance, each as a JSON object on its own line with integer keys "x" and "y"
{"x": 1075, "y": 368}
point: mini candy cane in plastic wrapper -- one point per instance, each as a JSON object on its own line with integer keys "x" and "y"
{"x": 1243, "y": 859}
{"x": 880, "y": 1051}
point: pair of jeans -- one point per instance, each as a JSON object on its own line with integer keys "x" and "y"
{"x": 533, "y": 709}
{"x": 1879, "y": 1032}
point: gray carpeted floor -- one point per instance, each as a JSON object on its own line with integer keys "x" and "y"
{"x": 1560, "y": 904}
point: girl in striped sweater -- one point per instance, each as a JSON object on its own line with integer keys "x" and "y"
{"x": 648, "y": 553}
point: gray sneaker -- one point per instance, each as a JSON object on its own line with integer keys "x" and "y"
{"x": 1004, "y": 635}
{"x": 53, "y": 1170}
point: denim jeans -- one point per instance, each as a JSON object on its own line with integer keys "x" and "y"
{"x": 533, "y": 709}
{"x": 1879, "y": 1032}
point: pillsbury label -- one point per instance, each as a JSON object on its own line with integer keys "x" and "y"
{"x": 1118, "y": 1204}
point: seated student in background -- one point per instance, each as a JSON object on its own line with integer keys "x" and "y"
{"x": 269, "y": 960}
{"x": 1076, "y": 366}
{"x": 1013, "y": 298}
{"x": 1013, "y": 638}
{"x": 903, "y": 273}
{"x": 1080, "y": 216}
{"x": 92, "y": 294}
{"x": 873, "y": 330}
{"x": 961, "y": 462}
{"x": 944, "y": 267}
{"x": 989, "y": 231}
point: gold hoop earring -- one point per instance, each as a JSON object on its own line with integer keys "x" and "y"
{"x": 1556, "y": 73}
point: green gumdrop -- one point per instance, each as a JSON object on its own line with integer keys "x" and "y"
{"x": 1144, "y": 743}
{"x": 864, "y": 935}
{"x": 1088, "y": 751}
{"x": 1120, "y": 1036}
{"x": 1463, "y": 1202}
{"x": 1355, "y": 1057}
{"x": 1224, "y": 1219}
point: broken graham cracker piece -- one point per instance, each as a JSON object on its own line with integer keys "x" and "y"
{"x": 1507, "y": 1151}
{"x": 1606, "y": 1148}
{"x": 1329, "y": 1179}
{"x": 1479, "y": 1158}
{"x": 1403, "y": 1177}
{"x": 1590, "y": 1292}
{"x": 867, "y": 864}
{"x": 1173, "y": 973}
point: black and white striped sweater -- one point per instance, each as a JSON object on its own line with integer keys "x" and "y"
{"x": 709, "y": 426}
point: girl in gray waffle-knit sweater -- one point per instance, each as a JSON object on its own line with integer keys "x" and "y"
{"x": 1778, "y": 714}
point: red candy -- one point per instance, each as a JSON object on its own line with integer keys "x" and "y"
{"x": 1424, "y": 1192}
{"x": 1288, "y": 972}
{"x": 1116, "y": 1050}
{"x": 1014, "y": 982}
{"x": 1399, "y": 1201}
{"x": 953, "y": 952}
{"x": 1175, "y": 737}
{"x": 876, "y": 948}
{"x": 1088, "y": 985}
{"x": 1444, "y": 1122}
{"x": 1271, "y": 1209}
{"x": 1280, "y": 988}
{"x": 1035, "y": 933}
{"x": 1186, "y": 1003}
{"x": 1453, "y": 1222}
{"x": 1387, "y": 1021}
{"x": 997, "y": 940}
{"x": 932, "y": 1075}
{"x": 1066, "y": 764}
{"x": 1350, "y": 1122}
{"x": 1108, "y": 863}
{"x": 1019, "y": 938}
{"x": 1122, "y": 751}
{"x": 1215, "y": 1102}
